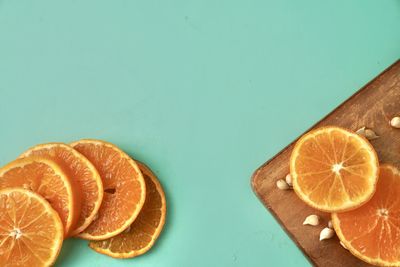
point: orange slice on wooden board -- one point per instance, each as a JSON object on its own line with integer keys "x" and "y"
{"x": 334, "y": 169}
{"x": 47, "y": 179}
{"x": 81, "y": 172}
{"x": 124, "y": 188}
{"x": 141, "y": 235}
{"x": 31, "y": 232}
{"x": 372, "y": 232}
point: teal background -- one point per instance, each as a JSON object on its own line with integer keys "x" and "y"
{"x": 204, "y": 92}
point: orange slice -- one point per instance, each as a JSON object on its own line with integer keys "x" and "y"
{"x": 124, "y": 188}
{"x": 372, "y": 232}
{"x": 144, "y": 231}
{"x": 81, "y": 172}
{"x": 48, "y": 180}
{"x": 334, "y": 169}
{"x": 31, "y": 232}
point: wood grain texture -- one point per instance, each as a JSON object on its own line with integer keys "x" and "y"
{"x": 372, "y": 106}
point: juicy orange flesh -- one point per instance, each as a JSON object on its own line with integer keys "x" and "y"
{"x": 79, "y": 173}
{"x": 315, "y": 166}
{"x": 374, "y": 229}
{"x": 122, "y": 190}
{"x": 41, "y": 178}
{"x": 27, "y": 231}
{"x": 142, "y": 230}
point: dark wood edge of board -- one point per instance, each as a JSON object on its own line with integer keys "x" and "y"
{"x": 255, "y": 174}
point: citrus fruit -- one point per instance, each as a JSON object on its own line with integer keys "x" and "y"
{"x": 124, "y": 188}
{"x": 372, "y": 232}
{"x": 48, "y": 180}
{"x": 31, "y": 232}
{"x": 334, "y": 169}
{"x": 140, "y": 236}
{"x": 81, "y": 172}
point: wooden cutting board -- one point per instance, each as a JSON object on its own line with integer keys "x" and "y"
{"x": 372, "y": 106}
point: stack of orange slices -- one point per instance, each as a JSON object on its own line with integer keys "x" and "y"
{"x": 336, "y": 170}
{"x": 88, "y": 189}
